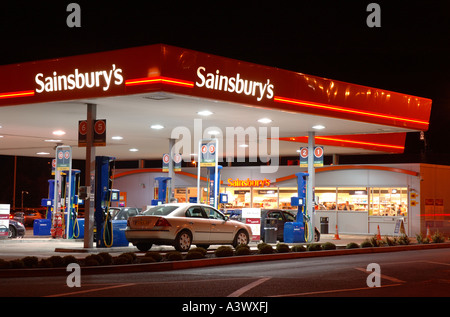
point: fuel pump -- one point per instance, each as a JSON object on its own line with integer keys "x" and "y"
{"x": 161, "y": 194}
{"x": 103, "y": 184}
{"x": 64, "y": 215}
{"x": 298, "y": 231}
{"x": 211, "y": 179}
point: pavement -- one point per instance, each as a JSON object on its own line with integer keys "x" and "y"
{"x": 45, "y": 246}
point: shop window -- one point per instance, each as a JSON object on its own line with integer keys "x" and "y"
{"x": 265, "y": 198}
{"x": 389, "y": 201}
{"x": 238, "y": 197}
{"x": 326, "y": 198}
{"x": 352, "y": 199}
{"x": 284, "y": 196}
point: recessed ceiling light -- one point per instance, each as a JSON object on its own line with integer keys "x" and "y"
{"x": 58, "y": 132}
{"x": 117, "y": 137}
{"x": 42, "y": 153}
{"x": 53, "y": 141}
{"x": 205, "y": 113}
{"x": 133, "y": 150}
{"x": 265, "y": 120}
{"x": 243, "y": 145}
{"x": 318, "y": 127}
{"x": 1, "y": 136}
{"x": 157, "y": 126}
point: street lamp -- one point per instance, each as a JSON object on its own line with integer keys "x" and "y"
{"x": 23, "y": 192}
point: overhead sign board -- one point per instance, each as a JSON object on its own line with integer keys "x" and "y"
{"x": 318, "y": 156}
{"x": 207, "y": 153}
{"x": 99, "y": 136}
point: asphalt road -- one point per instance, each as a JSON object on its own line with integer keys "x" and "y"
{"x": 424, "y": 273}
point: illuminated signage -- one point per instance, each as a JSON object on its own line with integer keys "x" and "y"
{"x": 79, "y": 80}
{"x": 234, "y": 84}
{"x": 248, "y": 182}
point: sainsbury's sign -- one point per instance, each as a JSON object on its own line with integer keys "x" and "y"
{"x": 79, "y": 80}
{"x": 234, "y": 84}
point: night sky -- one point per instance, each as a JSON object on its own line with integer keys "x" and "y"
{"x": 409, "y": 53}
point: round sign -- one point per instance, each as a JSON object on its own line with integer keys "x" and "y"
{"x": 100, "y": 127}
{"x": 66, "y": 155}
{"x": 60, "y": 155}
{"x": 318, "y": 152}
{"x": 82, "y": 127}
{"x": 204, "y": 149}
{"x": 304, "y": 152}
{"x": 212, "y": 148}
{"x": 177, "y": 158}
{"x": 166, "y": 158}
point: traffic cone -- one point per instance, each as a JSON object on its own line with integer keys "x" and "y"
{"x": 428, "y": 233}
{"x": 336, "y": 235}
{"x": 378, "y": 234}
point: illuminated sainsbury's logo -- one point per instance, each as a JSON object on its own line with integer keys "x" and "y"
{"x": 79, "y": 80}
{"x": 234, "y": 84}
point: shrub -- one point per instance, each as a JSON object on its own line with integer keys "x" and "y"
{"x": 243, "y": 249}
{"x": 298, "y": 248}
{"x": 266, "y": 249}
{"x": 30, "y": 261}
{"x": 194, "y": 255}
{"x": 352, "y": 245}
{"x": 404, "y": 240}
{"x": 106, "y": 258}
{"x": 69, "y": 259}
{"x": 283, "y": 248}
{"x": 132, "y": 255}
{"x": 199, "y": 249}
{"x": 224, "y": 251}
{"x": 328, "y": 246}
{"x": 56, "y": 260}
{"x": 155, "y": 255}
{"x": 375, "y": 242}
{"x": 17, "y": 264}
{"x": 174, "y": 256}
{"x": 121, "y": 260}
{"x": 93, "y": 260}
{"x": 45, "y": 263}
{"x": 421, "y": 239}
{"x": 261, "y": 245}
{"x": 438, "y": 237}
{"x": 366, "y": 244}
{"x": 147, "y": 259}
{"x": 314, "y": 247}
{"x": 4, "y": 264}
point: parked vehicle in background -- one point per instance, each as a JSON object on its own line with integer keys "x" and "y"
{"x": 123, "y": 213}
{"x": 30, "y": 217}
{"x": 280, "y": 216}
{"x": 16, "y": 229}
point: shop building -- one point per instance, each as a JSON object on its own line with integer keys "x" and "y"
{"x": 357, "y": 198}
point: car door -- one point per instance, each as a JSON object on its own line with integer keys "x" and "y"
{"x": 198, "y": 223}
{"x": 221, "y": 229}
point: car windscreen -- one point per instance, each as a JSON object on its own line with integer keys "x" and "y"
{"x": 159, "y": 210}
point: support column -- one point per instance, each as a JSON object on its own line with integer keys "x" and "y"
{"x": 89, "y": 179}
{"x": 171, "y": 172}
{"x": 311, "y": 184}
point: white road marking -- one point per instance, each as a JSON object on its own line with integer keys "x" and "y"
{"x": 248, "y": 287}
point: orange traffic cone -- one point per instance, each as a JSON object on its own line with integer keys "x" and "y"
{"x": 336, "y": 235}
{"x": 378, "y": 234}
{"x": 428, "y": 233}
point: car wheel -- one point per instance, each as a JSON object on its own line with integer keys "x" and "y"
{"x": 12, "y": 232}
{"x": 241, "y": 238}
{"x": 144, "y": 246}
{"x": 183, "y": 241}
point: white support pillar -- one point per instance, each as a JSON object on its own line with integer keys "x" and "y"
{"x": 89, "y": 178}
{"x": 311, "y": 184}
{"x": 171, "y": 170}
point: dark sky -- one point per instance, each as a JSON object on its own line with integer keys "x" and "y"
{"x": 409, "y": 53}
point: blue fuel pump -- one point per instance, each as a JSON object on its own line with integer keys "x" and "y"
{"x": 161, "y": 195}
{"x": 295, "y": 232}
{"x": 212, "y": 185}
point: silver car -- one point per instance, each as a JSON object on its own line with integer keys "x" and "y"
{"x": 182, "y": 225}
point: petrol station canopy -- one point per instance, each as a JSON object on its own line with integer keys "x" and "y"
{"x": 136, "y": 88}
